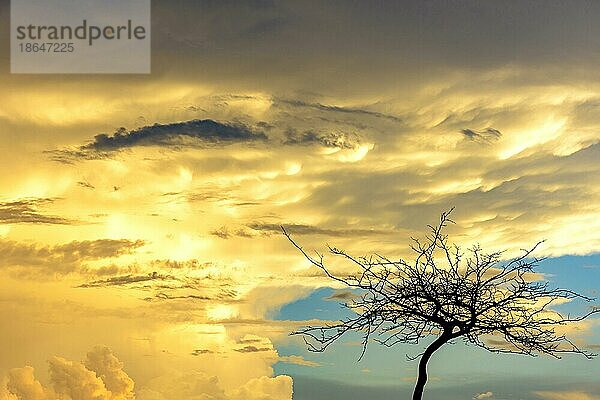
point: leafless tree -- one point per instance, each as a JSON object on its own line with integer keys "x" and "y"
{"x": 500, "y": 305}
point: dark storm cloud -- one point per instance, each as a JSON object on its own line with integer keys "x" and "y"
{"x": 364, "y": 48}
{"x": 173, "y": 134}
{"x": 193, "y": 133}
{"x": 27, "y": 211}
{"x": 484, "y": 136}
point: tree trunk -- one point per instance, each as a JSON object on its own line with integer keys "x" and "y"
{"x": 422, "y": 376}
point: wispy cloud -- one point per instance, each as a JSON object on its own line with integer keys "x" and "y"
{"x": 127, "y": 279}
{"x": 338, "y": 109}
{"x": 258, "y": 229}
{"x": 86, "y": 185}
{"x": 31, "y": 259}
{"x": 298, "y": 360}
{"x": 28, "y": 210}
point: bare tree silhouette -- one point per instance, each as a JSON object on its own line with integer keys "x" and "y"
{"x": 501, "y": 306}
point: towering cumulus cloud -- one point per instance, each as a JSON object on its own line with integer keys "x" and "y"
{"x": 101, "y": 377}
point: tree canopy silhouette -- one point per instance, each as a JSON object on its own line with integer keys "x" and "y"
{"x": 500, "y": 305}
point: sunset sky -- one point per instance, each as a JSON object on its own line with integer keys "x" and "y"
{"x": 140, "y": 249}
